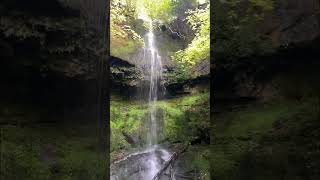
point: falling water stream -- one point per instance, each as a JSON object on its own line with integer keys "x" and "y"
{"x": 146, "y": 163}
{"x": 155, "y": 88}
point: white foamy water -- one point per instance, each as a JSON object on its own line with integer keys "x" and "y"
{"x": 144, "y": 165}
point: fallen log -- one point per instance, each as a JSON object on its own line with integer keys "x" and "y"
{"x": 170, "y": 161}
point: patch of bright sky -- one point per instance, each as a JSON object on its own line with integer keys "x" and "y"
{"x": 202, "y": 1}
{"x": 142, "y": 13}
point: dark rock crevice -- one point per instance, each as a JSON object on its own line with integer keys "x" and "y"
{"x": 253, "y": 76}
{"x": 48, "y": 60}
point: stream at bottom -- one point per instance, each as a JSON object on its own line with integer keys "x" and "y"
{"x": 142, "y": 165}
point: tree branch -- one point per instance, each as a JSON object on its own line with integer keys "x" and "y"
{"x": 169, "y": 162}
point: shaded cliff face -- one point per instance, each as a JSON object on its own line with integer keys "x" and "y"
{"x": 246, "y": 28}
{"x": 287, "y": 72}
{"x": 266, "y": 105}
{"x": 51, "y": 40}
{"x": 286, "y": 44}
{"x": 124, "y": 77}
{"x": 51, "y": 36}
{"x": 48, "y": 94}
{"x": 57, "y": 48}
{"x": 292, "y": 22}
{"x": 49, "y": 54}
{"x": 126, "y": 80}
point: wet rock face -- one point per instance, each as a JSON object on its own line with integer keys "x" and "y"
{"x": 292, "y": 21}
{"x": 123, "y": 73}
{"x": 202, "y": 68}
{"x": 139, "y": 166}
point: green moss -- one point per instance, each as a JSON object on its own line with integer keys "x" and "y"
{"x": 184, "y": 115}
{"x": 126, "y": 116}
{"x": 50, "y": 153}
{"x": 243, "y": 139}
{"x": 182, "y": 118}
{"x": 253, "y": 120}
{"x": 196, "y": 158}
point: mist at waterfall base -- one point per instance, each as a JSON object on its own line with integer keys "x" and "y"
{"x": 152, "y": 158}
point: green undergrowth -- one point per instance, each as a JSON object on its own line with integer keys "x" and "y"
{"x": 254, "y": 120}
{"x": 196, "y": 159}
{"x": 125, "y": 117}
{"x": 51, "y": 152}
{"x": 265, "y": 141}
{"x": 185, "y": 119}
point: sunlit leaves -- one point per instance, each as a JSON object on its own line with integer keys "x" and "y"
{"x": 159, "y": 9}
{"x": 199, "y": 48}
{"x": 124, "y": 40}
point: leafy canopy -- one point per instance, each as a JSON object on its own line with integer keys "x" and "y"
{"x": 159, "y": 9}
{"x": 236, "y": 28}
{"x": 199, "y": 48}
{"x": 124, "y": 40}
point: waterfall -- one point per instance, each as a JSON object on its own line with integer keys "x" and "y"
{"x": 145, "y": 164}
{"x": 154, "y": 75}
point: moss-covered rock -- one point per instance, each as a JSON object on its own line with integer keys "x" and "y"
{"x": 267, "y": 141}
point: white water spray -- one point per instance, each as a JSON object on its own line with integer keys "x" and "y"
{"x": 150, "y": 161}
{"x": 155, "y": 76}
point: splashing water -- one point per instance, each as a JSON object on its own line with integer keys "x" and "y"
{"x": 155, "y": 77}
{"x": 154, "y": 74}
{"x": 144, "y": 165}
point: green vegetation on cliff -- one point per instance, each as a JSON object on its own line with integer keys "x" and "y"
{"x": 199, "y": 48}
{"x": 185, "y": 43}
{"x": 124, "y": 39}
{"x": 236, "y": 32}
{"x": 159, "y": 10}
{"x": 267, "y": 140}
{"x": 186, "y": 119}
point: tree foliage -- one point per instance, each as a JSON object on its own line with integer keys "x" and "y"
{"x": 159, "y": 9}
{"x": 236, "y": 29}
{"x": 199, "y": 48}
{"x": 124, "y": 40}
{"x": 181, "y": 6}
